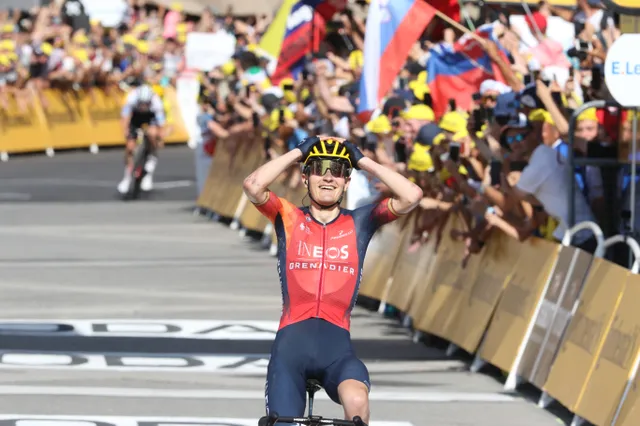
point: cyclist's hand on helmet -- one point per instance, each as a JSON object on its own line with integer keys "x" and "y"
{"x": 306, "y": 145}
{"x": 354, "y": 153}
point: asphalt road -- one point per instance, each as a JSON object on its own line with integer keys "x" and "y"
{"x": 140, "y": 313}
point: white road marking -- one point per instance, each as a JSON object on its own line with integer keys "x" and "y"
{"x": 88, "y": 183}
{"x": 191, "y": 329}
{"x": 97, "y": 263}
{"x": 29, "y": 420}
{"x": 236, "y": 394}
{"x": 14, "y": 196}
{"x": 173, "y": 184}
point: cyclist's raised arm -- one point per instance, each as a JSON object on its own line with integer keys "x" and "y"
{"x": 257, "y": 183}
{"x": 407, "y": 195}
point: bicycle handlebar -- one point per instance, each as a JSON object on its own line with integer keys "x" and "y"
{"x": 272, "y": 419}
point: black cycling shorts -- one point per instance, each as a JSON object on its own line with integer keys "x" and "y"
{"x": 138, "y": 120}
{"x": 310, "y": 349}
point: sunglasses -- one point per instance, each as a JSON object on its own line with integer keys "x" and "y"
{"x": 515, "y": 138}
{"x": 287, "y": 87}
{"x": 338, "y": 169}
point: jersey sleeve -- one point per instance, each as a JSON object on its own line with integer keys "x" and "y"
{"x": 372, "y": 216}
{"x": 130, "y": 101}
{"x": 271, "y": 207}
{"x": 383, "y": 213}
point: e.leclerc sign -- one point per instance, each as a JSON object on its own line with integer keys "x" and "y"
{"x": 622, "y": 70}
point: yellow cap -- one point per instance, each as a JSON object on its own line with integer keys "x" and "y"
{"x": 8, "y": 45}
{"x": 177, "y": 6}
{"x": 4, "y": 60}
{"x": 453, "y": 122}
{"x": 538, "y": 115}
{"x": 228, "y": 68}
{"x": 356, "y": 59}
{"x": 94, "y": 22}
{"x": 80, "y": 38}
{"x": 460, "y": 135}
{"x": 422, "y": 77}
{"x": 143, "y": 47}
{"x": 379, "y": 125}
{"x": 81, "y": 54}
{"x": 420, "y": 159}
{"x": 419, "y": 112}
{"x": 141, "y": 28}
{"x": 129, "y": 39}
{"x": 46, "y": 48}
{"x": 288, "y": 81}
{"x": 589, "y": 114}
{"x": 7, "y": 28}
{"x": 275, "y": 119}
{"x": 181, "y": 28}
{"x": 419, "y": 89}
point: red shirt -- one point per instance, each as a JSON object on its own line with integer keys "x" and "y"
{"x": 320, "y": 266}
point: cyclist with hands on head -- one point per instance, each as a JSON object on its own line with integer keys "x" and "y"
{"x": 321, "y": 251}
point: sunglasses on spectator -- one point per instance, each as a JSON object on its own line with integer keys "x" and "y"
{"x": 338, "y": 169}
{"x": 287, "y": 87}
{"x": 395, "y": 124}
{"x": 489, "y": 98}
{"x": 515, "y": 138}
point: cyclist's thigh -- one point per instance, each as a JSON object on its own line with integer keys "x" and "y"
{"x": 340, "y": 362}
{"x": 285, "y": 390}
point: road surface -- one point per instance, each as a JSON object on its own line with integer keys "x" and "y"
{"x": 140, "y": 313}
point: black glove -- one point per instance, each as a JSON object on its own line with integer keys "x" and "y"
{"x": 354, "y": 153}
{"x": 305, "y": 146}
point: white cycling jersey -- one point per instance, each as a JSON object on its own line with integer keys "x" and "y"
{"x": 133, "y": 100}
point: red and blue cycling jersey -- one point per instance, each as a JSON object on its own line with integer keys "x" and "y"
{"x": 320, "y": 265}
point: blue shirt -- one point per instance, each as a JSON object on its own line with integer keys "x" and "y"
{"x": 298, "y": 136}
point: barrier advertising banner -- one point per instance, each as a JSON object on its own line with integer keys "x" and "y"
{"x": 497, "y": 261}
{"x": 553, "y": 317}
{"x": 613, "y": 366}
{"x": 587, "y": 330}
{"x": 516, "y": 307}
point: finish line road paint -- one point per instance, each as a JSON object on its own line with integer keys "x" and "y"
{"x": 27, "y": 420}
{"x": 185, "y": 329}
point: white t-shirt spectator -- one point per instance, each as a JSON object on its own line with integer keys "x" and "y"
{"x": 546, "y": 178}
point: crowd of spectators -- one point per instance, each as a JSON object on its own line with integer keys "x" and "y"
{"x": 501, "y": 164}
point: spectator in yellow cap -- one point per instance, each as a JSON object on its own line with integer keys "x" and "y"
{"x": 587, "y": 125}
{"x": 414, "y": 118}
{"x": 288, "y": 90}
{"x": 380, "y": 127}
{"x": 453, "y": 122}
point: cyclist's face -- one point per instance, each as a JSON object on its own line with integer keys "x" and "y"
{"x": 327, "y": 187}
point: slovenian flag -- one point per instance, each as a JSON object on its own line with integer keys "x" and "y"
{"x": 456, "y": 72}
{"x": 393, "y": 26}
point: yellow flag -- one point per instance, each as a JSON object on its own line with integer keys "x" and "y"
{"x": 271, "y": 42}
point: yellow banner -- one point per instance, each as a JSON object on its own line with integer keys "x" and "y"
{"x": 602, "y": 392}
{"x": 75, "y": 119}
{"x": 23, "y": 129}
{"x": 498, "y": 259}
{"x": 554, "y": 314}
{"x": 516, "y": 307}
{"x": 587, "y": 330}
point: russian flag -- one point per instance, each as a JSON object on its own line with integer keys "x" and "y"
{"x": 456, "y": 72}
{"x": 392, "y": 28}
